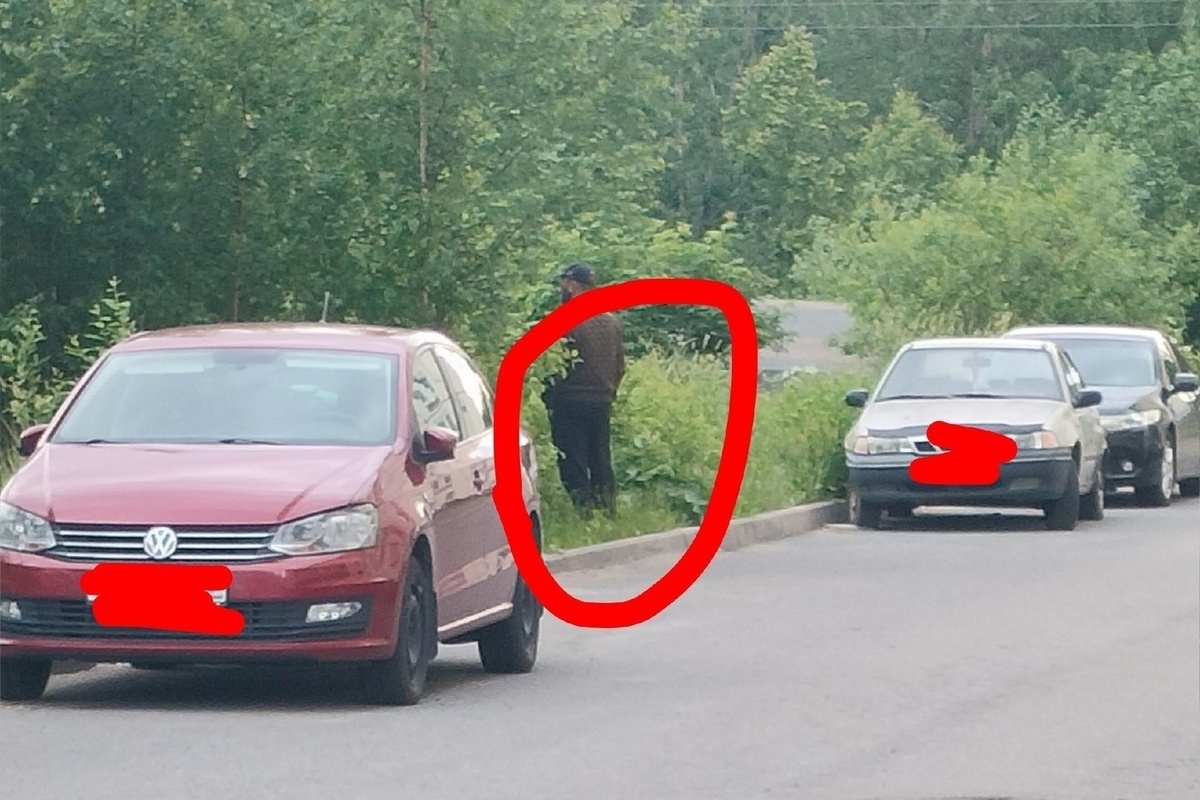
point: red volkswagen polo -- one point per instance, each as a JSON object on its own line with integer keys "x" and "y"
{"x": 342, "y": 473}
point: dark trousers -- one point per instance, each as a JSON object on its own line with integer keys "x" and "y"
{"x": 581, "y": 432}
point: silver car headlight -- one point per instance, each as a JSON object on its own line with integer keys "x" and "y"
{"x": 1131, "y": 420}
{"x": 878, "y": 445}
{"x": 353, "y": 528}
{"x": 1038, "y": 440}
{"x": 20, "y": 530}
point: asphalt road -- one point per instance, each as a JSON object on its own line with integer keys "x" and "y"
{"x": 949, "y": 657}
{"x": 809, "y": 325}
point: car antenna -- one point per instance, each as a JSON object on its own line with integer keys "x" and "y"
{"x": 325, "y": 310}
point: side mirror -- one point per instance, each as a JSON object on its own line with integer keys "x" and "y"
{"x": 435, "y": 444}
{"x": 857, "y": 398}
{"x": 1088, "y": 398}
{"x": 30, "y": 438}
{"x": 1185, "y": 382}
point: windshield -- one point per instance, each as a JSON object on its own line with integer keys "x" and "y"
{"x": 960, "y": 371}
{"x": 1112, "y": 362}
{"x": 237, "y": 396}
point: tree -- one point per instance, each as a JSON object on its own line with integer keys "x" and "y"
{"x": 1052, "y": 232}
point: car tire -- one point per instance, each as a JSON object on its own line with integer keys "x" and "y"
{"x": 1157, "y": 493}
{"x": 900, "y": 512}
{"x": 23, "y": 679}
{"x": 863, "y": 513}
{"x": 1091, "y": 505}
{"x": 1189, "y": 487}
{"x": 510, "y": 646}
{"x": 1063, "y": 514}
{"x": 400, "y": 680}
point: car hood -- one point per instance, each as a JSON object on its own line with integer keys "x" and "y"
{"x": 912, "y": 417}
{"x": 1124, "y": 398}
{"x": 123, "y": 484}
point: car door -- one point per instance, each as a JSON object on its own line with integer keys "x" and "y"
{"x": 489, "y": 574}
{"x": 1185, "y": 409}
{"x": 446, "y": 487}
{"x": 1092, "y": 436}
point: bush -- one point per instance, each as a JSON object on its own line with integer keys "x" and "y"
{"x": 31, "y": 389}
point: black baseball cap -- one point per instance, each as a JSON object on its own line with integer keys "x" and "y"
{"x": 580, "y": 273}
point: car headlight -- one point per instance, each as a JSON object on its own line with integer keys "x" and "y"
{"x": 877, "y": 445}
{"x": 1038, "y": 440}
{"x": 352, "y": 528}
{"x": 20, "y": 530}
{"x": 1131, "y": 419}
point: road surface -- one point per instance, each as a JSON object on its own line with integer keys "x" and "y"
{"x": 809, "y": 325}
{"x": 950, "y": 657}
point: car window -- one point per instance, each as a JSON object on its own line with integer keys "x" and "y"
{"x": 1170, "y": 362}
{"x": 1001, "y": 372}
{"x": 1112, "y": 362}
{"x": 1184, "y": 364}
{"x": 471, "y": 395}
{"x": 431, "y": 396}
{"x": 239, "y": 395}
{"x": 1074, "y": 379}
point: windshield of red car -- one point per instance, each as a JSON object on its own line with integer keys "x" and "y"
{"x": 237, "y": 396}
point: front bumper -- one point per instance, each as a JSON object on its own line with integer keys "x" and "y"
{"x": 1131, "y": 455}
{"x": 273, "y": 597}
{"x": 1027, "y": 481}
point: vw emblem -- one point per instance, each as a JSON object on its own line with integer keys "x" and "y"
{"x": 160, "y": 543}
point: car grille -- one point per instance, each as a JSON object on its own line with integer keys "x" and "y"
{"x": 267, "y": 621}
{"x": 108, "y": 543}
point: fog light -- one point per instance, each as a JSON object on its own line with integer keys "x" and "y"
{"x": 10, "y": 609}
{"x": 332, "y": 612}
{"x": 1127, "y": 466}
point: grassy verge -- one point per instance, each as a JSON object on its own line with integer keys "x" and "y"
{"x": 667, "y": 432}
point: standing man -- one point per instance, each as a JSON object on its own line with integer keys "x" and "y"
{"x": 580, "y": 404}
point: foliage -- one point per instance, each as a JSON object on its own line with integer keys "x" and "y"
{"x": 31, "y": 387}
{"x": 790, "y": 138}
{"x": 1051, "y": 232}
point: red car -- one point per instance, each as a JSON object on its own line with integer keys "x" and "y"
{"x": 343, "y": 473}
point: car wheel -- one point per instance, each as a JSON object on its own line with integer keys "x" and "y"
{"x": 511, "y": 645}
{"x": 863, "y": 513}
{"x": 400, "y": 680}
{"x": 1190, "y": 487}
{"x": 1162, "y": 480}
{"x": 23, "y": 679}
{"x": 1091, "y": 506}
{"x": 1063, "y": 514}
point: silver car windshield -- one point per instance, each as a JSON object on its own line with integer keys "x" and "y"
{"x": 237, "y": 396}
{"x": 1113, "y": 362}
{"x": 972, "y": 372}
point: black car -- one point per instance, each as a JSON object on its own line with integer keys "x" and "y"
{"x": 1151, "y": 408}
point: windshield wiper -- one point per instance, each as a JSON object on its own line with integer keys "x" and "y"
{"x": 984, "y": 395}
{"x": 913, "y": 397}
{"x": 238, "y": 440}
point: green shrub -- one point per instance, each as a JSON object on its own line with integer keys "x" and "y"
{"x": 31, "y": 389}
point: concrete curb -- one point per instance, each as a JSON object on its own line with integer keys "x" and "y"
{"x": 768, "y": 527}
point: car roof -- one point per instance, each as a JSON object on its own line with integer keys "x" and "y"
{"x": 993, "y": 342}
{"x": 1088, "y": 331}
{"x": 310, "y": 335}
